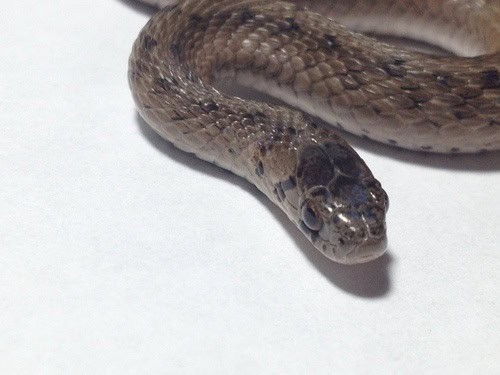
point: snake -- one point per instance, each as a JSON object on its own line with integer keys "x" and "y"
{"x": 317, "y": 58}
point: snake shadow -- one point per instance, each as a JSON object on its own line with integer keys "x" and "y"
{"x": 139, "y": 7}
{"x": 369, "y": 280}
{"x": 485, "y": 162}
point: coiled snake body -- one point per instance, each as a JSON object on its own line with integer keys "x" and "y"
{"x": 408, "y": 99}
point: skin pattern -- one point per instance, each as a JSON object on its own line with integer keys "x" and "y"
{"x": 403, "y": 98}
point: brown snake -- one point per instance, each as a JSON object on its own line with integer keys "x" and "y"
{"x": 412, "y": 100}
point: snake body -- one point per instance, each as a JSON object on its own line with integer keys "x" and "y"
{"x": 408, "y": 99}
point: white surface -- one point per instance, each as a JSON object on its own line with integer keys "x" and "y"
{"x": 120, "y": 254}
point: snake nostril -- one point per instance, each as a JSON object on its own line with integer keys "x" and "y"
{"x": 361, "y": 234}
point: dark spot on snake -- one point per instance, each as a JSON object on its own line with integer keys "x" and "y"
{"x": 377, "y": 230}
{"x": 444, "y": 79}
{"x": 248, "y": 120}
{"x": 167, "y": 83}
{"x": 463, "y": 112}
{"x": 394, "y": 70}
{"x": 392, "y": 141}
{"x": 314, "y": 125}
{"x": 175, "y": 49}
{"x": 292, "y": 25}
{"x": 260, "y": 169}
{"x": 231, "y": 151}
{"x": 288, "y": 184}
{"x": 399, "y": 61}
{"x": 149, "y": 43}
{"x": 329, "y": 42}
{"x": 437, "y": 125}
{"x": 280, "y": 129}
{"x": 208, "y": 105}
{"x": 195, "y": 18}
{"x": 275, "y": 192}
{"x": 490, "y": 79}
{"x": 467, "y": 92}
{"x": 365, "y": 131}
{"x": 291, "y": 130}
{"x": 426, "y": 148}
{"x": 409, "y": 85}
{"x": 176, "y": 116}
{"x": 246, "y": 15}
{"x": 279, "y": 193}
{"x": 454, "y": 149}
{"x": 260, "y": 114}
{"x": 314, "y": 236}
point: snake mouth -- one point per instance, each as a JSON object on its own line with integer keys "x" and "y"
{"x": 366, "y": 251}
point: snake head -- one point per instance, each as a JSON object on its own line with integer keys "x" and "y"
{"x": 342, "y": 206}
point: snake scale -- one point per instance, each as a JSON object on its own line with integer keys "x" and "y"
{"x": 297, "y": 52}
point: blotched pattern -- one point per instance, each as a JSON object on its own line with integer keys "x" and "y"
{"x": 412, "y": 100}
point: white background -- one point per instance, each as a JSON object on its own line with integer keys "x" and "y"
{"x": 121, "y": 254}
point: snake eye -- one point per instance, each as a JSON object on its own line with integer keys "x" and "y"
{"x": 311, "y": 218}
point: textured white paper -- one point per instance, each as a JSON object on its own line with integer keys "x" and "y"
{"x": 121, "y": 254}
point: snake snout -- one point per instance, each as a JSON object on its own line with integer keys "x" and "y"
{"x": 361, "y": 235}
{"x": 371, "y": 249}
